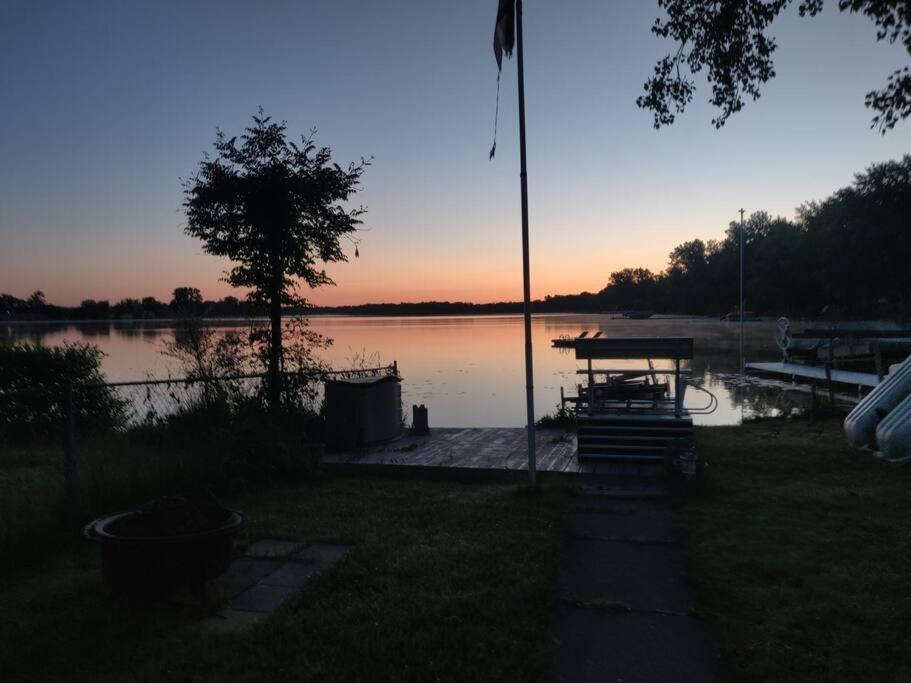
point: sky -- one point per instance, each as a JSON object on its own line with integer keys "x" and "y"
{"x": 105, "y": 106}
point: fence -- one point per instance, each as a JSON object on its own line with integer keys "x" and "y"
{"x": 88, "y": 448}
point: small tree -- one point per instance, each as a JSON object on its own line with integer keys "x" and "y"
{"x": 274, "y": 207}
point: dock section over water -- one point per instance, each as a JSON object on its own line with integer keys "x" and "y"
{"x": 801, "y": 371}
{"x": 483, "y": 453}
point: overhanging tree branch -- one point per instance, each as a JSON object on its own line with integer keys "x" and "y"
{"x": 728, "y": 39}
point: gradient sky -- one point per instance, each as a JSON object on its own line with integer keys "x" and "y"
{"x": 106, "y": 105}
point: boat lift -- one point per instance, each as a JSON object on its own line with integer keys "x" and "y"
{"x": 626, "y": 413}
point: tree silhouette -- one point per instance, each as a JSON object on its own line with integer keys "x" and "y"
{"x": 37, "y": 300}
{"x": 728, "y": 39}
{"x": 186, "y": 300}
{"x": 273, "y": 207}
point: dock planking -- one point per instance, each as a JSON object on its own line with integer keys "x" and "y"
{"x": 811, "y": 372}
{"x": 472, "y": 449}
{"x": 483, "y": 453}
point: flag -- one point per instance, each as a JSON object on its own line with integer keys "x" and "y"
{"x": 504, "y": 37}
{"x": 504, "y": 31}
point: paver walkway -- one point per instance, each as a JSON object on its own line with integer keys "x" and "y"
{"x": 269, "y": 573}
{"x": 624, "y": 606}
{"x": 624, "y": 609}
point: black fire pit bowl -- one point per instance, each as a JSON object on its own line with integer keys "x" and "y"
{"x": 165, "y": 545}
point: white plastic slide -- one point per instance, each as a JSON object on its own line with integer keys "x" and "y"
{"x": 860, "y": 425}
{"x": 893, "y": 435}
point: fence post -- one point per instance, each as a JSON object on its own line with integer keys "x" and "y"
{"x": 69, "y": 454}
{"x": 878, "y": 361}
{"x": 829, "y": 367}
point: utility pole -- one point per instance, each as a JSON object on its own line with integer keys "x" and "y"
{"x": 526, "y": 274}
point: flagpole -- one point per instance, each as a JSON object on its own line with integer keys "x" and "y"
{"x": 742, "y": 376}
{"x": 526, "y": 275}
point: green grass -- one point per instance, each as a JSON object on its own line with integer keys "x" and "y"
{"x": 31, "y": 496}
{"x": 118, "y": 470}
{"x": 113, "y": 471}
{"x": 800, "y": 550}
{"x": 446, "y": 582}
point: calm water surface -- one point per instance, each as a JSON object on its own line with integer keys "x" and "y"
{"x": 468, "y": 370}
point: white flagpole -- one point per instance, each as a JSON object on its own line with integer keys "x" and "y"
{"x": 526, "y": 275}
{"x": 742, "y": 375}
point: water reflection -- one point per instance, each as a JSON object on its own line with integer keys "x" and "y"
{"x": 468, "y": 370}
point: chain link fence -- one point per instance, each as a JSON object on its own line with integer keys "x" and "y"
{"x": 71, "y": 451}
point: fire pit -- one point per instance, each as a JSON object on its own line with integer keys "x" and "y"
{"x": 166, "y": 544}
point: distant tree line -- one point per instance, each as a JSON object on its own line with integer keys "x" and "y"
{"x": 846, "y": 256}
{"x": 185, "y": 301}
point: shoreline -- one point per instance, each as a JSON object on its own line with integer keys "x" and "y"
{"x": 236, "y": 319}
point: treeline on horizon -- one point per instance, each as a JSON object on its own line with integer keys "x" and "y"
{"x": 185, "y": 301}
{"x": 848, "y": 255}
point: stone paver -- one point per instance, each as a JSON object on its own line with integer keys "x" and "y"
{"x": 263, "y": 598}
{"x": 624, "y": 609}
{"x": 270, "y": 548}
{"x": 291, "y": 575}
{"x": 231, "y": 621}
{"x": 624, "y": 520}
{"x": 270, "y": 573}
{"x": 324, "y": 553}
{"x": 243, "y": 573}
{"x": 630, "y": 647}
{"x": 641, "y": 576}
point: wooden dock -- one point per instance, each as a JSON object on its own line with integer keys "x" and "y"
{"x": 799, "y": 371}
{"x": 483, "y": 453}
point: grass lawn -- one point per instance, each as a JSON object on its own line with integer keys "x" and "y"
{"x": 446, "y": 581}
{"x": 31, "y": 498}
{"x": 114, "y": 472}
{"x": 801, "y": 554}
{"x": 800, "y": 551}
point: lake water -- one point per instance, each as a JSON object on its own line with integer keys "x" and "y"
{"x": 468, "y": 370}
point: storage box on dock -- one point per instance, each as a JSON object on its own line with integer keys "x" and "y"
{"x": 361, "y": 411}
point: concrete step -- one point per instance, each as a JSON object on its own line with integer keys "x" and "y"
{"x": 634, "y": 430}
{"x": 611, "y": 442}
{"x": 610, "y": 446}
{"x": 586, "y": 456}
{"x": 633, "y": 418}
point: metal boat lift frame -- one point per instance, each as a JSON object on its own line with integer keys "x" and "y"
{"x": 616, "y": 428}
{"x": 590, "y": 349}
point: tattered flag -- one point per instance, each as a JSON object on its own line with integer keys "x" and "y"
{"x": 504, "y": 33}
{"x": 504, "y": 38}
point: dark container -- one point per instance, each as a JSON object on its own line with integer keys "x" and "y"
{"x": 165, "y": 545}
{"x": 363, "y": 411}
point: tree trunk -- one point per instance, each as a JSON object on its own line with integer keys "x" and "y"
{"x": 275, "y": 316}
{"x": 275, "y": 351}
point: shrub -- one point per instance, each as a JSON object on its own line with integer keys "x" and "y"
{"x": 561, "y": 418}
{"x": 34, "y": 381}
